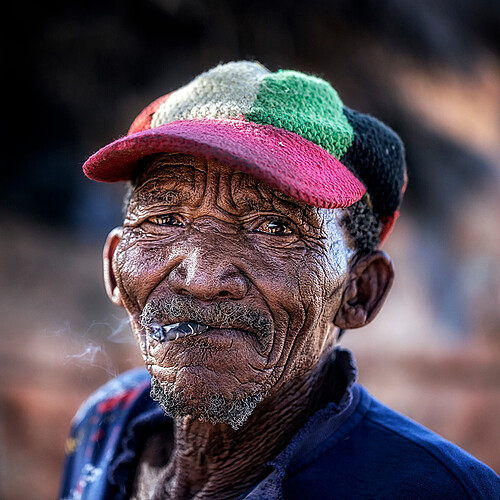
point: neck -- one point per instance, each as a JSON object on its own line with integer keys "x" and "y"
{"x": 216, "y": 461}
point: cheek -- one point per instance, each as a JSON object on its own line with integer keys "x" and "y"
{"x": 303, "y": 283}
{"x": 320, "y": 283}
{"x": 321, "y": 280}
{"x": 139, "y": 267}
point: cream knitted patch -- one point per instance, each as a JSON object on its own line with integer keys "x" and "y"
{"x": 226, "y": 91}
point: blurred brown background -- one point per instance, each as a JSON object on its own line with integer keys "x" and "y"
{"x": 75, "y": 74}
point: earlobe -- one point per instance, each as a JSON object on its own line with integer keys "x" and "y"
{"x": 112, "y": 241}
{"x": 370, "y": 279}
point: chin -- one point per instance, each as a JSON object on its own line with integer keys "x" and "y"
{"x": 205, "y": 402}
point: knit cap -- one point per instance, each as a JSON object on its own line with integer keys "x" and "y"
{"x": 288, "y": 129}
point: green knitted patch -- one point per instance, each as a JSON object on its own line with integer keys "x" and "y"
{"x": 306, "y": 105}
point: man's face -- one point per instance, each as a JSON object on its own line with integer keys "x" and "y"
{"x": 203, "y": 243}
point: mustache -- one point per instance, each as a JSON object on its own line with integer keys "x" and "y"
{"x": 221, "y": 314}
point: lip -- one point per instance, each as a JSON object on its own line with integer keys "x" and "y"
{"x": 193, "y": 333}
{"x": 169, "y": 327}
{"x": 175, "y": 331}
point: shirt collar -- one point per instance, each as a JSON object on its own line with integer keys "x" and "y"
{"x": 311, "y": 440}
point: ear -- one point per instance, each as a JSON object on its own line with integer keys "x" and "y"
{"x": 370, "y": 279}
{"x": 114, "y": 237}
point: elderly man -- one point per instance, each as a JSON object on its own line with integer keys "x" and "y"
{"x": 256, "y": 209}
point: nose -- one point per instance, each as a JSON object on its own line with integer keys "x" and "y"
{"x": 208, "y": 275}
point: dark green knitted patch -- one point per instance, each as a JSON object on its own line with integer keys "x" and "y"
{"x": 306, "y": 105}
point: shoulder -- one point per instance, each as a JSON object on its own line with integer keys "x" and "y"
{"x": 97, "y": 431}
{"x": 428, "y": 453}
{"x": 379, "y": 453}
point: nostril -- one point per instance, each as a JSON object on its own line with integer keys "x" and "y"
{"x": 207, "y": 278}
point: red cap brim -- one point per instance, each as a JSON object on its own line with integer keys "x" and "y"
{"x": 282, "y": 159}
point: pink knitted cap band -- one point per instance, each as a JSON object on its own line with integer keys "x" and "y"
{"x": 282, "y": 159}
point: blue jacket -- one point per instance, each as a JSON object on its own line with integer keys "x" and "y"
{"x": 358, "y": 449}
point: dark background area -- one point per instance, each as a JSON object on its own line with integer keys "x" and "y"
{"x": 75, "y": 74}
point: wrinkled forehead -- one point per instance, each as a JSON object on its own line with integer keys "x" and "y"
{"x": 177, "y": 178}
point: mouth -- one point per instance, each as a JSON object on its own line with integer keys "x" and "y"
{"x": 175, "y": 331}
{"x": 177, "y": 320}
{"x": 221, "y": 335}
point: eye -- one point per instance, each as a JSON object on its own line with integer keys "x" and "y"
{"x": 277, "y": 227}
{"x": 166, "y": 220}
